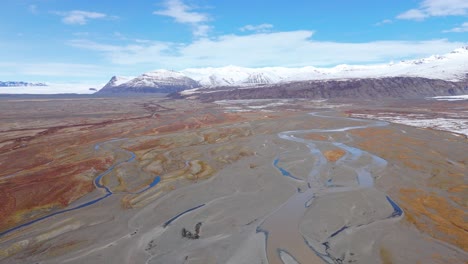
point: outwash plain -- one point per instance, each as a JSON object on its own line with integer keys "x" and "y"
{"x": 156, "y": 180}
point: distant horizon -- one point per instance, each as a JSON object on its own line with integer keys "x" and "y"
{"x": 237, "y": 66}
{"x": 86, "y": 43}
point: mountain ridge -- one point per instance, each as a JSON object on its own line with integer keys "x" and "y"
{"x": 363, "y": 88}
{"x": 159, "y": 81}
{"x": 452, "y": 66}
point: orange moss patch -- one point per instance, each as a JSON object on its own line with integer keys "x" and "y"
{"x": 24, "y": 159}
{"x": 459, "y": 196}
{"x": 32, "y": 195}
{"x": 463, "y": 188}
{"x": 372, "y": 132}
{"x": 315, "y": 137}
{"x": 195, "y": 122}
{"x": 334, "y": 155}
{"x": 385, "y": 256}
{"x": 436, "y": 216}
{"x": 445, "y": 259}
{"x": 61, "y": 249}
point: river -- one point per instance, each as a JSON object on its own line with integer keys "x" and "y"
{"x": 284, "y": 240}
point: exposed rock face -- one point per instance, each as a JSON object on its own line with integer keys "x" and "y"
{"x": 393, "y": 87}
{"x": 115, "y": 81}
{"x": 258, "y": 78}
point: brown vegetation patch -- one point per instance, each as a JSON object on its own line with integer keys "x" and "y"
{"x": 194, "y": 171}
{"x": 34, "y": 194}
{"x": 436, "y": 216}
{"x": 334, "y": 155}
{"x": 198, "y": 170}
{"x": 385, "y": 256}
{"x": 62, "y": 249}
{"x": 195, "y": 122}
{"x": 315, "y": 137}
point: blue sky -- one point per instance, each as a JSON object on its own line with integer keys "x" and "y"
{"x": 88, "y": 41}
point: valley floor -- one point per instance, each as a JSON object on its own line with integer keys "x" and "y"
{"x": 151, "y": 180}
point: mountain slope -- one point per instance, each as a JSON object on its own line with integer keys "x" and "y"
{"x": 449, "y": 67}
{"x": 369, "y": 88}
{"x": 116, "y": 81}
{"x": 160, "y": 81}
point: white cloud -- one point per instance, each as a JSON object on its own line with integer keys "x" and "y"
{"x": 79, "y": 17}
{"x": 257, "y": 28}
{"x": 33, "y": 9}
{"x": 413, "y": 14}
{"x": 383, "y": 22}
{"x": 445, "y": 7}
{"x": 51, "y": 70}
{"x": 462, "y": 28}
{"x": 181, "y": 12}
{"x": 292, "y": 48}
{"x": 201, "y": 30}
{"x": 184, "y": 14}
{"x": 81, "y": 34}
{"x": 139, "y": 52}
{"x": 430, "y": 8}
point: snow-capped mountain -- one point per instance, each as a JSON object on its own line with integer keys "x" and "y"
{"x": 234, "y": 76}
{"x": 259, "y": 78}
{"x": 223, "y": 76}
{"x": 20, "y": 84}
{"x": 449, "y": 67}
{"x": 159, "y": 81}
{"x": 116, "y": 81}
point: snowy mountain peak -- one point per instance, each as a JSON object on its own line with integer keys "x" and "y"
{"x": 463, "y": 49}
{"x": 163, "y": 74}
{"x": 118, "y": 80}
{"x": 159, "y": 81}
{"x": 451, "y": 67}
{"x": 261, "y": 78}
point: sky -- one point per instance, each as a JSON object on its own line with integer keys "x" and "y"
{"x": 88, "y": 41}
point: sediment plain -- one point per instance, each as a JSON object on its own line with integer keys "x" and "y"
{"x": 155, "y": 180}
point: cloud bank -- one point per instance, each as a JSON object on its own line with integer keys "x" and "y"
{"x": 289, "y": 48}
{"x": 184, "y": 14}
{"x": 436, "y": 8}
{"x": 79, "y": 17}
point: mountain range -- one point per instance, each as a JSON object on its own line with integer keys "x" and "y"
{"x": 451, "y": 67}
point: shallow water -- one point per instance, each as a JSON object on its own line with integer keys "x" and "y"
{"x": 283, "y": 236}
{"x": 97, "y": 182}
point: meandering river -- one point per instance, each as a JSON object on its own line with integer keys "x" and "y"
{"x": 97, "y": 182}
{"x": 284, "y": 239}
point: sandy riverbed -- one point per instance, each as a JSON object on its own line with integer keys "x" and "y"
{"x": 218, "y": 168}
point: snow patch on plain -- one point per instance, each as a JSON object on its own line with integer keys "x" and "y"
{"x": 51, "y": 88}
{"x": 451, "y": 98}
{"x": 459, "y": 126}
